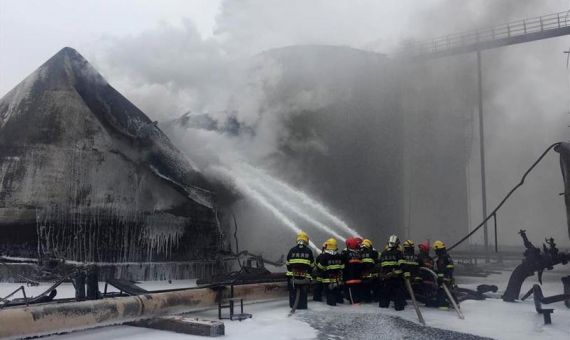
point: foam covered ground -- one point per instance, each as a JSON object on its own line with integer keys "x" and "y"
{"x": 491, "y": 318}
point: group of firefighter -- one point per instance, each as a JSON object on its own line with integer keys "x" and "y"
{"x": 361, "y": 274}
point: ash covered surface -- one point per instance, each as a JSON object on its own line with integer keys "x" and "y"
{"x": 338, "y": 324}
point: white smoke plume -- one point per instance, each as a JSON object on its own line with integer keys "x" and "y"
{"x": 173, "y": 69}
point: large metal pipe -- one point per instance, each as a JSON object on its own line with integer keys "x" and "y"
{"x": 57, "y": 318}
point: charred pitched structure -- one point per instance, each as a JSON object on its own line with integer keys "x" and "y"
{"x": 86, "y": 175}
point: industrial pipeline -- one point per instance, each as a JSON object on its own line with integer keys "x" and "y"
{"x": 54, "y": 318}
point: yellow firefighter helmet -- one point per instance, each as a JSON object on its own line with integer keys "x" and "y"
{"x": 408, "y": 244}
{"x": 367, "y": 243}
{"x": 437, "y": 245}
{"x": 303, "y": 237}
{"x": 331, "y": 244}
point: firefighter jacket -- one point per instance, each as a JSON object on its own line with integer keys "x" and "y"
{"x": 317, "y": 272}
{"x": 300, "y": 261}
{"x": 369, "y": 261}
{"x": 330, "y": 265}
{"x": 444, "y": 267}
{"x": 390, "y": 261}
{"x": 409, "y": 264}
{"x": 424, "y": 260}
{"x": 352, "y": 266}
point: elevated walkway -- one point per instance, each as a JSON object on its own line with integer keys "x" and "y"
{"x": 515, "y": 32}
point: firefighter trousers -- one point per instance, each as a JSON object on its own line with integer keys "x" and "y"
{"x": 334, "y": 295}
{"x": 303, "y": 289}
{"x": 353, "y": 292}
{"x": 367, "y": 291}
{"x": 318, "y": 291}
{"x": 392, "y": 289}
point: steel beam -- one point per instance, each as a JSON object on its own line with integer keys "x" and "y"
{"x": 16, "y": 323}
{"x": 482, "y": 154}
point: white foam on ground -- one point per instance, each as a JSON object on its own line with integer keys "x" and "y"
{"x": 490, "y": 318}
{"x": 270, "y": 321}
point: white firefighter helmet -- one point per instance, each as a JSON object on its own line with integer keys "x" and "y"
{"x": 393, "y": 241}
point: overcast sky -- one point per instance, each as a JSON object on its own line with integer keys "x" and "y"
{"x": 33, "y": 30}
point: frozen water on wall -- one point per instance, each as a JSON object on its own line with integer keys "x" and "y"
{"x": 125, "y": 235}
{"x": 88, "y": 176}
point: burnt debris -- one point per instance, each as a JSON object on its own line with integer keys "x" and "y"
{"x": 535, "y": 260}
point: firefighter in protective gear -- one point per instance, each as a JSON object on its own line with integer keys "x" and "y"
{"x": 391, "y": 282}
{"x": 300, "y": 262}
{"x": 317, "y": 275}
{"x": 424, "y": 258}
{"x": 444, "y": 268}
{"x": 352, "y": 273}
{"x": 369, "y": 274}
{"x": 426, "y": 288}
{"x": 330, "y": 264}
{"x": 409, "y": 263}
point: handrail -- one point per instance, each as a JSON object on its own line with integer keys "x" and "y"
{"x": 504, "y": 31}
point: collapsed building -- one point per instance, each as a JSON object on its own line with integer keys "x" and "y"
{"x": 87, "y": 176}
